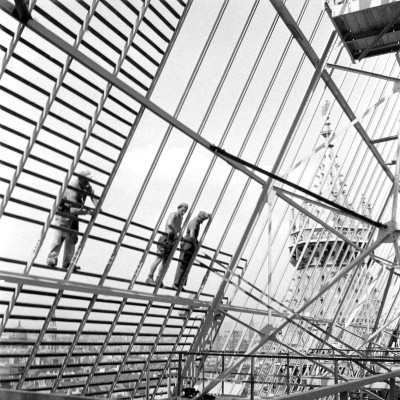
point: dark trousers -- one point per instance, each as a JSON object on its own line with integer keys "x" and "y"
{"x": 184, "y": 261}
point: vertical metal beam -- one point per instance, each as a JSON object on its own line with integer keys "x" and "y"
{"x": 392, "y": 391}
{"x": 336, "y": 376}
{"x": 203, "y": 375}
{"x": 179, "y": 383}
{"x": 269, "y": 261}
{"x": 222, "y": 371}
{"x": 147, "y": 382}
{"x": 287, "y": 374}
{"x": 252, "y": 378}
{"x": 169, "y": 380}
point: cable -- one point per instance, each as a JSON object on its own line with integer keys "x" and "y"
{"x": 297, "y": 187}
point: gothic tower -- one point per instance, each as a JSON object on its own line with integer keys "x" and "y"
{"x": 318, "y": 254}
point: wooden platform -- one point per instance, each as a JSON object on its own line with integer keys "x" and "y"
{"x": 367, "y": 27}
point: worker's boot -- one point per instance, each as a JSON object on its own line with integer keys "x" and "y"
{"x": 150, "y": 280}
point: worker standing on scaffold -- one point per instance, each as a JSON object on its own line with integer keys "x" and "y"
{"x": 189, "y": 245}
{"x": 72, "y": 205}
{"x": 166, "y": 242}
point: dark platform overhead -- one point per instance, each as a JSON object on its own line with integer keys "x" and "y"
{"x": 367, "y": 27}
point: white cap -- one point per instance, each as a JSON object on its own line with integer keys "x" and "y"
{"x": 85, "y": 173}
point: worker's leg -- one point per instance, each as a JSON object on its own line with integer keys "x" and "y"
{"x": 55, "y": 248}
{"x": 180, "y": 270}
{"x": 150, "y": 278}
{"x": 69, "y": 250}
{"x": 182, "y": 267}
{"x": 58, "y": 239}
{"x": 163, "y": 270}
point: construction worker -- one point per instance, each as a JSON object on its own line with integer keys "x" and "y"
{"x": 72, "y": 205}
{"x": 189, "y": 245}
{"x": 166, "y": 242}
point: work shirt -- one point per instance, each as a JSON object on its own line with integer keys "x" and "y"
{"x": 74, "y": 199}
{"x": 174, "y": 219}
{"x": 77, "y": 196}
{"x": 194, "y": 224}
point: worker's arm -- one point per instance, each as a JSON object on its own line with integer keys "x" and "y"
{"x": 94, "y": 199}
{"x": 70, "y": 198}
{"x": 79, "y": 210}
{"x": 193, "y": 239}
{"x": 170, "y": 225}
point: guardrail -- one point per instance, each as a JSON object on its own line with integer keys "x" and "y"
{"x": 7, "y": 394}
{"x": 252, "y": 377}
{"x": 343, "y": 389}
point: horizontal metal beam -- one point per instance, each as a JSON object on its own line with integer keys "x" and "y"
{"x": 360, "y": 72}
{"x": 119, "y": 84}
{"x": 384, "y": 139}
{"x": 349, "y": 386}
{"x": 6, "y": 394}
{"x": 51, "y": 283}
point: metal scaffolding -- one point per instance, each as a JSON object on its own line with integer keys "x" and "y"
{"x": 171, "y": 102}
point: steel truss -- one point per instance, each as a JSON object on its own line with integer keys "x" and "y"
{"x": 96, "y": 68}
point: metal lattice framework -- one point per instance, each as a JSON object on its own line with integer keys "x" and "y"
{"x": 168, "y": 102}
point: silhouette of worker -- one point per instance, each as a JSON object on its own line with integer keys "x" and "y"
{"x": 71, "y": 205}
{"x": 189, "y": 245}
{"x": 166, "y": 242}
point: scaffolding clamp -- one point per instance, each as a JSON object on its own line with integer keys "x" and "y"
{"x": 388, "y": 230}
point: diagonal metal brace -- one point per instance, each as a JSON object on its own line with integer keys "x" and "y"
{"x": 349, "y": 212}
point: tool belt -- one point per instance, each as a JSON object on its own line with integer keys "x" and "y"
{"x": 64, "y": 207}
{"x": 165, "y": 244}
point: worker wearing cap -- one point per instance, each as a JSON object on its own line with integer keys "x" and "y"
{"x": 189, "y": 245}
{"x": 72, "y": 205}
{"x": 166, "y": 241}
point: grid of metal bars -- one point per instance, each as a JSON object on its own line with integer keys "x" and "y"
{"x": 78, "y": 85}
